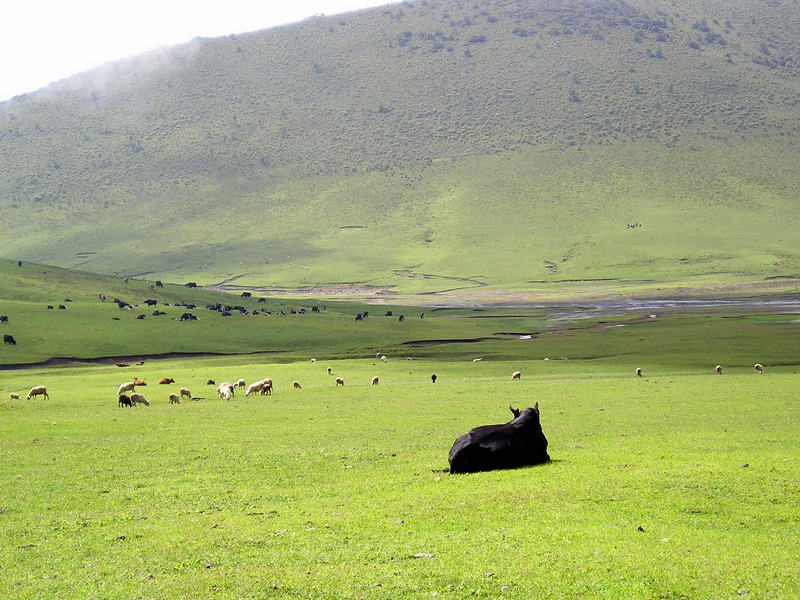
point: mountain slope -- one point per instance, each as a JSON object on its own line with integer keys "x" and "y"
{"x": 500, "y": 142}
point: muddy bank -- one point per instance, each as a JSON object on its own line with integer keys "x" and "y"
{"x": 113, "y": 360}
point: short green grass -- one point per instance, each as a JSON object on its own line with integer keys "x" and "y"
{"x": 681, "y": 484}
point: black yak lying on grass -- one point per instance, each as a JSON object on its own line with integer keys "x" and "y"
{"x": 518, "y": 443}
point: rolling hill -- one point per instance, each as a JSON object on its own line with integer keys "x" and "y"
{"x": 483, "y": 147}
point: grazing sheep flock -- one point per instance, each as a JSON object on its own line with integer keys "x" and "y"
{"x": 127, "y": 395}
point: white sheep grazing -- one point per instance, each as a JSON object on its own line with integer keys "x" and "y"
{"x": 126, "y": 387}
{"x": 375, "y": 380}
{"x": 225, "y": 391}
{"x": 174, "y": 399}
{"x": 516, "y": 375}
{"x": 14, "y": 396}
{"x": 186, "y": 392}
{"x": 240, "y": 384}
{"x": 297, "y": 385}
{"x": 139, "y": 399}
{"x": 254, "y": 387}
{"x": 267, "y": 389}
{"x": 38, "y": 390}
{"x": 313, "y": 360}
{"x": 383, "y": 358}
{"x": 759, "y": 368}
{"x": 638, "y": 372}
{"x": 718, "y": 369}
{"x": 340, "y": 381}
{"x": 477, "y": 359}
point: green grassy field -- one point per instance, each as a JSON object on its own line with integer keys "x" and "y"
{"x": 679, "y": 484}
{"x": 682, "y": 484}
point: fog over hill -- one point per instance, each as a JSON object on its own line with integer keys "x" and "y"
{"x": 427, "y": 145}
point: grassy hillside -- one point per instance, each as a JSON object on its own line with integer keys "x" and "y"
{"x": 427, "y": 146}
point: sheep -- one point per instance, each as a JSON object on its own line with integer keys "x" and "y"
{"x": 384, "y": 359}
{"x": 375, "y": 380}
{"x": 225, "y": 391}
{"x": 211, "y": 382}
{"x": 313, "y": 360}
{"x": 477, "y": 359}
{"x": 166, "y": 381}
{"x": 138, "y": 381}
{"x": 38, "y": 390}
{"x": 186, "y": 392}
{"x": 516, "y": 375}
{"x": 638, "y": 372}
{"x": 124, "y": 400}
{"x": 267, "y": 389}
{"x": 139, "y": 399}
{"x": 130, "y": 386}
{"x": 434, "y": 378}
{"x": 254, "y": 387}
{"x": 174, "y": 399}
{"x": 296, "y": 385}
{"x": 759, "y": 368}
{"x": 13, "y": 396}
{"x": 330, "y": 371}
{"x": 240, "y": 384}
{"x": 340, "y": 381}
{"x": 718, "y": 369}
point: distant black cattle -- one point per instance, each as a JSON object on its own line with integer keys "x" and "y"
{"x": 315, "y": 309}
{"x": 225, "y": 313}
{"x": 159, "y": 284}
{"x": 246, "y": 294}
{"x": 158, "y": 313}
{"x": 262, "y": 300}
{"x": 3, "y": 318}
{"x": 62, "y": 307}
{"x": 188, "y": 317}
{"x": 67, "y": 300}
{"x": 359, "y": 316}
{"x": 50, "y": 307}
{"x": 191, "y": 284}
{"x": 140, "y": 317}
{"x": 388, "y": 313}
{"x": 9, "y": 339}
{"x": 518, "y": 443}
{"x": 151, "y": 302}
{"x": 402, "y": 318}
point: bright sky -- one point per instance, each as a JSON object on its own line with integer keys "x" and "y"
{"x": 42, "y": 41}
